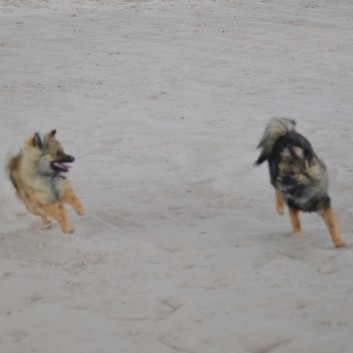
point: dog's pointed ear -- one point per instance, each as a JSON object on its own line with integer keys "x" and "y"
{"x": 39, "y": 140}
{"x": 52, "y": 133}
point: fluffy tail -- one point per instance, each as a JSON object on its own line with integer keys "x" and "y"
{"x": 12, "y": 162}
{"x": 276, "y": 128}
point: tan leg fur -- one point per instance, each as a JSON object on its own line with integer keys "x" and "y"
{"x": 294, "y": 219}
{"x": 332, "y": 225}
{"x": 279, "y": 202}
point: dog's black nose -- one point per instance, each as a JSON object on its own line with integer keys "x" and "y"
{"x": 70, "y": 159}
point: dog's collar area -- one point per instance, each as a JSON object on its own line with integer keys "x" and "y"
{"x": 53, "y": 176}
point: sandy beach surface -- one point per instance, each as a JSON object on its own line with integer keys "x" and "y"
{"x": 163, "y": 103}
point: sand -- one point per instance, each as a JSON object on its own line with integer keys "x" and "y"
{"x": 163, "y": 103}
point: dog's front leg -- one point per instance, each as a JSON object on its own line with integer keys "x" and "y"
{"x": 71, "y": 198}
{"x": 294, "y": 219}
{"x": 279, "y": 202}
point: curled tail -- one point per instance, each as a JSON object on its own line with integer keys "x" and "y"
{"x": 275, "y": 129}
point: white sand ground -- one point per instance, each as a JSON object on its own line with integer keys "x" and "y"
{"x": 163, "y": 103}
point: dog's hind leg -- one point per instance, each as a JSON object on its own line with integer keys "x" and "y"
{"x": 36, "y": 211}
{"x": 46, "y": 224}
{"x": 279, "y": 202}
{"x": 57, "y": 211}
{"x": 332, "y": 225}
{"x": 294, "y": 219}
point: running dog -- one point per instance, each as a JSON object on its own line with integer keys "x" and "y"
{"x": 38, "y": 173}
{"x": 297, "y": 174}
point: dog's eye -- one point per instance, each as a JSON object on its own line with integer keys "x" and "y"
{"x": 293, "y": 173}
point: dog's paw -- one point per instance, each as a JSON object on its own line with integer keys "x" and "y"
{"x": 81, "y": 211}
{"x": 46, "y": 225}
{"x": 280, "y": 210}
{"x": 340, "y": 244}
{"x": 297, "y": 231}
{"x": 67, "y": 229}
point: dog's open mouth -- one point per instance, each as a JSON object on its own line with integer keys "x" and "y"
{"x": 286, "y": 188}
{"x": 60, "y": 166}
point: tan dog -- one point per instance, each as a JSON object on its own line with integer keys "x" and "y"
{"x": 38, "y": 173}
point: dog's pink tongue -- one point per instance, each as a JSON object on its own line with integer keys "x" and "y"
{"x": 63, "y": 166}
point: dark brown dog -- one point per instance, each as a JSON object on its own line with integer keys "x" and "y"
{"x": 297, "y": 174}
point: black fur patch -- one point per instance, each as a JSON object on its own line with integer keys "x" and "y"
{"x": 308, "y": 197}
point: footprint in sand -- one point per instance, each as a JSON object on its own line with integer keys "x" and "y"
{"x": 168, "y": 306}
{"x": 264, "y": 342}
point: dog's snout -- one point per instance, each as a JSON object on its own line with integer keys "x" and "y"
{"x": 69, "y": 159}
